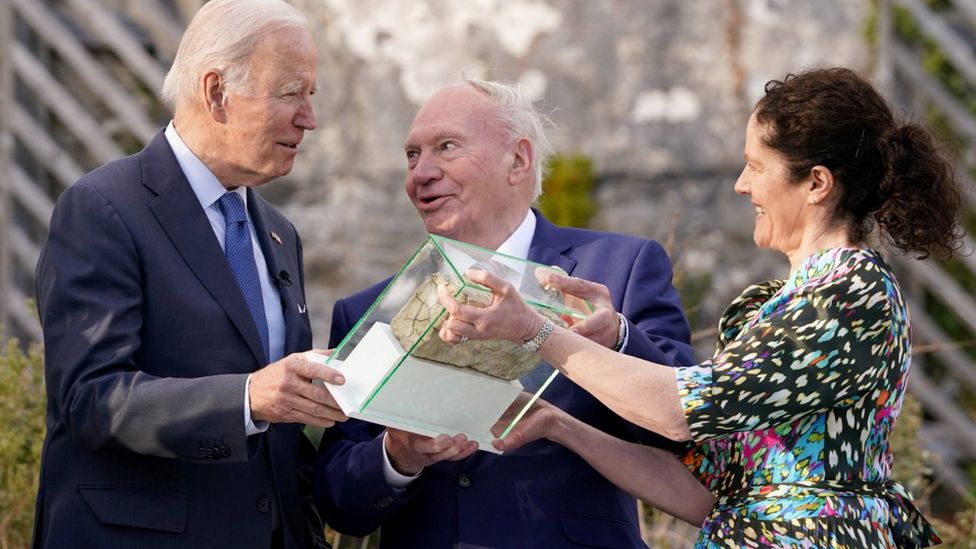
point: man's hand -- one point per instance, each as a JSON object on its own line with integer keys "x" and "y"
{"x": 603, "y": 326}
{"x": 409, "y": 453}
{"x": 283, "y": 392}
{"x": 506, "y": 317}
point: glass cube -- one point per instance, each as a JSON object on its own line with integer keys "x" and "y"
{"x": 400, "y": 374}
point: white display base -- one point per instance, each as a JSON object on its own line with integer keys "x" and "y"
{"x": 421, "y": 396}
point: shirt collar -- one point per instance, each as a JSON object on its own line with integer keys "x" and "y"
{"x": 518, "y": 244}
{"x": 204, "y": 183}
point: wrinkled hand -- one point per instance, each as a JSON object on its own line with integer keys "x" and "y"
{"x": 409, "y": 453}
{"x": 603, "y": 325}
{"x": 537, "y": 423}
{"x": 507, "y": 316}
{"x": 283, "y": 392}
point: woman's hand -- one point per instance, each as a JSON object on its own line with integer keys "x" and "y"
{"x": 540, "y": 421}
{"x": 507, "y": 316}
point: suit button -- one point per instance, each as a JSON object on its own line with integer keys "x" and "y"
{"x": 464, "y": 480}
{"x": 264, "y": 504}
{"x": 383, "y": 502}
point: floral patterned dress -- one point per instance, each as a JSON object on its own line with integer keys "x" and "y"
{"x": 791, "y": 417}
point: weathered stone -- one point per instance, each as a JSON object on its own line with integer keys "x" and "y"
{"x": 498, "y": 358}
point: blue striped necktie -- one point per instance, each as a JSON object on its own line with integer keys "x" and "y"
{"x": 240, "y": 257}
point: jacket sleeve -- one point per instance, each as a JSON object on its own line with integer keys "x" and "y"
{"x": 350, "y": 489}
{"x": 90, "y": 300}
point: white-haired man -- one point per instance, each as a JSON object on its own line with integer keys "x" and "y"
{"x": 172, "y": 302}
{"x": 475, "y": 155}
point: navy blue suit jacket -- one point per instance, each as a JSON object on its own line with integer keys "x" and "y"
{"x": 148, "y": 342}
{"x": 541, "y": 495}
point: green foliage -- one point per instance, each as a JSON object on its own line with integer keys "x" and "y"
{"x": 692, "y": 288}
{"x": 936, "y": 63}
{"x": 911, "y": 466}
{"x": 22, "y": 407}
{"x": 662, "y": 531}
{"x": 567, "y": 192}
{"x": 960, "y": 532}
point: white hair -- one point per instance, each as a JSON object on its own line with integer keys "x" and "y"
{"x": 222, "y": 36}
{"x": 521, "y": 119}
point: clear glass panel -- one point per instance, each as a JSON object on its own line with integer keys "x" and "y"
{"x": 400, "y": 373}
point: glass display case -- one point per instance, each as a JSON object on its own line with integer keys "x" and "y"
{"x": 400, "y": 374}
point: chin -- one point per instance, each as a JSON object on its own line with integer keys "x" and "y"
{"x": 282, "y": 171}
{"x": 441, "y": 226}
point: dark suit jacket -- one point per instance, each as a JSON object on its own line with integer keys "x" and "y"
{"x": 541, "y": 495}
{"x": 148, "y": 342}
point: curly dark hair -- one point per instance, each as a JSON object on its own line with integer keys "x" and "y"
{"x": 890, "y": 173}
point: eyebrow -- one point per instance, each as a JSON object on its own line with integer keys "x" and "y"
{"x": 295, "y": 87}
{"x": 438, "y": 137}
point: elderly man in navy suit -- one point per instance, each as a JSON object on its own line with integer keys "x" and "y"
{"x": 173, "y": 307}
{"x": 475, "y": 155}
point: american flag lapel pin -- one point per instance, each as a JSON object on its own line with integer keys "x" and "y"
{"x": 275, "y": 237}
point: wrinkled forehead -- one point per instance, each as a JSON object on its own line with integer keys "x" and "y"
{"x": 458, "y": 112}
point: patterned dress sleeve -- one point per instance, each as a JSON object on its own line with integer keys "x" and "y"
{"x": 826, "y": 343}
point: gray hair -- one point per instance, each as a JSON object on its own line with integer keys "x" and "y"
{"x": 222, "y": 36}
{"x": 521, "y": 119}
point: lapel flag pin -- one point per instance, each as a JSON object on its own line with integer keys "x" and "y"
{"x": 275, "y": 237}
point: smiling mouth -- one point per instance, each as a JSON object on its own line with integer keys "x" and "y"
{"x": 293, "y": 146}
{"x": 760, "y": 210}
{"x": 431, "y": 202}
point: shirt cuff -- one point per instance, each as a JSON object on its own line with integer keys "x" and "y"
{"x": 695, "y": 392}
{"x": 392, "y": 476}
{"x": 623, "y": 334}
{"x": 251, "y": 427}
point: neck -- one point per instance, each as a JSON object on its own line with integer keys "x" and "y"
{"x": 501, "y": 229}
{"x": 201, "y": 140}
{"x": 835, "y": 236}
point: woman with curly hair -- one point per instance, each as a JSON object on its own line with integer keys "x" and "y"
{"x": 789, "y": 421}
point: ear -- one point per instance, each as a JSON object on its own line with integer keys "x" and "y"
{"x": 214, "y": 96}
{"x": 522, "y": 157}
{"x": 821, "y": 184}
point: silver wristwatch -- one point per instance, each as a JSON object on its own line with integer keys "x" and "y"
{"x": 533, "y": 344}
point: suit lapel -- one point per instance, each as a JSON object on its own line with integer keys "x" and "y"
{"x": 547, "y": 248}
{"x": 178, "y": 212}
{"x": 276, "y": 257}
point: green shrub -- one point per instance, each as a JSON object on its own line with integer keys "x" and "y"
{"x": 567, "y": 192}
{"x": 22, "y": 407}
{"x": 911, "y": 461}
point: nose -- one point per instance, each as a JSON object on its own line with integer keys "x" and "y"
{"x": 305, "y": 117}
{"x": 426, "y": 169}
{"x": 742, "y": 184}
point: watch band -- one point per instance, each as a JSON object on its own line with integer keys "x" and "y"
{"x": 622, "y": 329}
{"x": 533, "y": 344}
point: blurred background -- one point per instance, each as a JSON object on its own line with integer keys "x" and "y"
{"x": 649, "y": 100}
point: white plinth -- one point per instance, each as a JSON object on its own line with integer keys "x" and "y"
{"x": 419, "y": 396}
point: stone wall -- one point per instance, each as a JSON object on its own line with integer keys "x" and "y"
{"x": 657, "y": 93}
